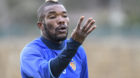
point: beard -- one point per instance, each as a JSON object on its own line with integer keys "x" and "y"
{"x": 54, "y": 36}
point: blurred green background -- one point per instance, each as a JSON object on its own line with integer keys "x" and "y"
{"x": 113, "y": 49}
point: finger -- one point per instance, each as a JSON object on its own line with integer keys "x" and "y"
{"x": 90, "y": 25}
{"x": 89, "y": 20}
{"x": 91, "y": 29}
{"x": 80, "y": 22}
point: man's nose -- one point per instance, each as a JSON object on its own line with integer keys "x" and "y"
{"x": 61, "y": 20}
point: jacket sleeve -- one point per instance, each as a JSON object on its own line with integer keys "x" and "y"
{"x": 59, "y": 63}
{"x": 33, "y": 65}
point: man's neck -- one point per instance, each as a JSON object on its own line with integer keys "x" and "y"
{"x": 57, "y": 42}
{"x": 52, "y": 44}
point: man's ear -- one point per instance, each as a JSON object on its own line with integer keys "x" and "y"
{"x": 40, "y": 25}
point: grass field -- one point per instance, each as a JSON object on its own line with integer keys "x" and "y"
{"x": 114, "y": 58}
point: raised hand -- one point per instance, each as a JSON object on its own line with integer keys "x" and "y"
{"x": 81, "y": 32}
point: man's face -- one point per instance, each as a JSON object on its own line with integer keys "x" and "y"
{"x": 55, "y": 23}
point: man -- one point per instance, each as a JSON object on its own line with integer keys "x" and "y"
{"x": 51, "y": 55}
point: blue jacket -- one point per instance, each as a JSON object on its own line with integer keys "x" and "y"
{"x": 35, "y": 61}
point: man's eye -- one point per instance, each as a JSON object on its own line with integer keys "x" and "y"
{"x": 52, "y": 17}
{"x": 65, "y": 16}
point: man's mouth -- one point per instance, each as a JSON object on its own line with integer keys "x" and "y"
{"x": 62, "y": 29}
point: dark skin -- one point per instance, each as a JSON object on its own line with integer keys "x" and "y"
{"x": 55, "y": 25}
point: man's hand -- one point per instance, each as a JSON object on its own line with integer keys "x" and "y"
{"x": 80, "y": 33}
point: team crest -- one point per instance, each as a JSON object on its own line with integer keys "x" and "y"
{"x": 73, "y": 65}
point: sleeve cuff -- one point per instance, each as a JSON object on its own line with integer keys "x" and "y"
{"x": 76, "y": 42}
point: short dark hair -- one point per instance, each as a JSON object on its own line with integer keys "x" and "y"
{"x": 40, "y": 11}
